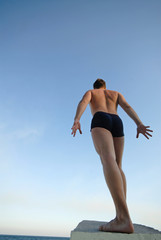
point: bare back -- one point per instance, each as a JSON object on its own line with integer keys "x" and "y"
{"x": 104, "y": 100}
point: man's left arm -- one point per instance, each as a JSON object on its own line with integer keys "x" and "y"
{"x": 80, "y": 110}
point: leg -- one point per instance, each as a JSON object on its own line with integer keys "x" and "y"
{"x": 104, "y": 145}
{"x": 119, "y": 147}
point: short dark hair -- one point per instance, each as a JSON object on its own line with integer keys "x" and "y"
{"x": 99, "y": 83}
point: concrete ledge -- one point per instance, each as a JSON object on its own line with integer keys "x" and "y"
{"x": 88, "y": 230}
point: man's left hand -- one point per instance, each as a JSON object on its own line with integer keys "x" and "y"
{"x": 76, "y": 126}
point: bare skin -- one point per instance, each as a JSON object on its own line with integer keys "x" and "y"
{"x": 110, "y": 150}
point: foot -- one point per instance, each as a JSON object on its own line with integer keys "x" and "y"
{"x": 122, "y": 226}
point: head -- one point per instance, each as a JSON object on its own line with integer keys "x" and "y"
{"x": 99, "y": 83}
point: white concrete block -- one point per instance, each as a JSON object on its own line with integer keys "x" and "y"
{"x": 88, "y": 230}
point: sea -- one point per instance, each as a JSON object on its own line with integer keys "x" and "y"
{"x": 21, "y": 237}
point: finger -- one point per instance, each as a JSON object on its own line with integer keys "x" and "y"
{"x": 149, "y": 130}
{"x": 146, "y": 136}
{"x": 73, "y": 129}
{"x": 137, "y": 135}
{"x": 149, "y": 134}
{"x": 73, "y": 132}
{"x": 80, "y": 131}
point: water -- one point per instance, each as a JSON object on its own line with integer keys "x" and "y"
{"x": 20, "y": 237}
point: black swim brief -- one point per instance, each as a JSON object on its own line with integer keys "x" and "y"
{"x": 111, "y": 122}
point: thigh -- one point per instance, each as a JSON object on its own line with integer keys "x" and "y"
{"x": 103, "y": 141}
{"x": 119, "y": 147}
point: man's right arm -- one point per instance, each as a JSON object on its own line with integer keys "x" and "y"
{"x": 130, "y": 111}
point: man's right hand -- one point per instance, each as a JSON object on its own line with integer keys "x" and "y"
{"x": 143, "y": 130}
{"x": 76, "y": 126}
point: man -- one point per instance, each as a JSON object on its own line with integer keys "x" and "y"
{"x": 108, "y": 138}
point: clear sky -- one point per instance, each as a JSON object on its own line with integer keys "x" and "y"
{"x": 51, "y": 52}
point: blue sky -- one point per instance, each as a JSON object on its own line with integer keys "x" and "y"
{"x": 51, "y": 53}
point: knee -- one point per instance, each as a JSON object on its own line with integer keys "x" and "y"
{"x": 107, "y": 159}
{"x": 120, "y": 167}
{"x": 121, "y": 171}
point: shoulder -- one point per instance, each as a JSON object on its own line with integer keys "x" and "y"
{"x": 88, "y": 92}
{"x": 87, "y": 95}
{"x": 113, "y": 93}
{"x": 91, "y": 91}
{"x": 122, "y": 101}
{"x": 118, "y": 94}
